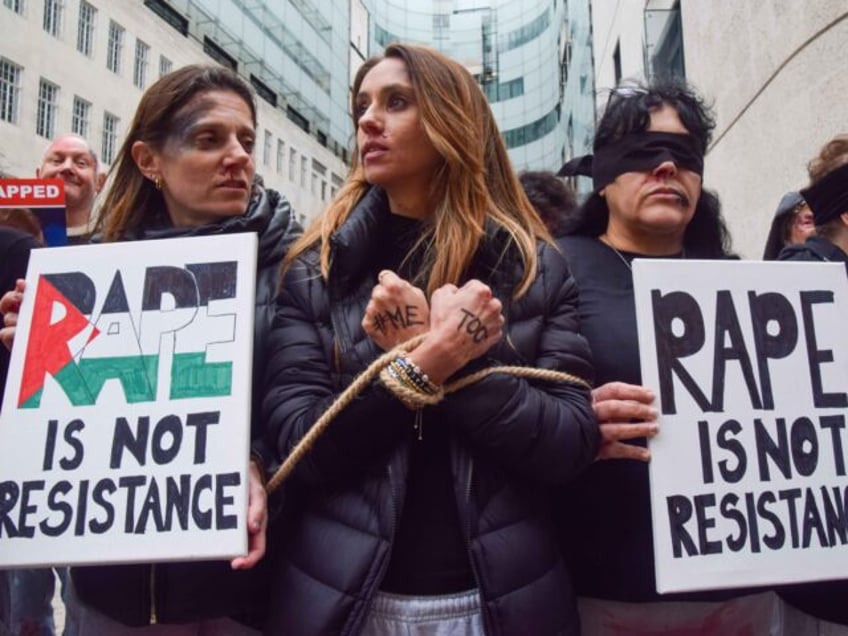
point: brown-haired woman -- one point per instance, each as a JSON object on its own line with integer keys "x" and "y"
{"x": 186, "y": 169}
{"x": 827, "y": 197}
{"x": 409, "y": 518}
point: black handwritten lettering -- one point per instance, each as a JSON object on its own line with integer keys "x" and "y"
{"x": 473, "y": 326}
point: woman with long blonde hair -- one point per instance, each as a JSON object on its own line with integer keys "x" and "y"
{"x": 421, "y": 509}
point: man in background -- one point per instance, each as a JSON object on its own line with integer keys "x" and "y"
{"x": 70, "y": 158}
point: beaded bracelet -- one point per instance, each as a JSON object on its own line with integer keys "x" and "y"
{"x": 411, "y": 391}
{"x": 421, "y": 379}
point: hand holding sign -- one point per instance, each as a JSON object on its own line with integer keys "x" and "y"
{"x": 10, "y": 305}
{"x": 616, "y": 406}
{"x": 257, "y": 521}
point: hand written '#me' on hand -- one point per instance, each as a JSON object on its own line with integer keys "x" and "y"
{"x": 400, "y": 318}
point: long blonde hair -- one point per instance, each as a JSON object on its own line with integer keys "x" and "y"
{"x": 475, "y": 182}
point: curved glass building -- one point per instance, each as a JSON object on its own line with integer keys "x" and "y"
{"x": 518, "y": 52}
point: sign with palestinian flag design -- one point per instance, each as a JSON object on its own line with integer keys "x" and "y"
{"x": 125, "y": 427}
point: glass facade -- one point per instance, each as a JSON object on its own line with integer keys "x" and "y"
{"x": 294, "y": 49}
{"x": 512, "y": 48}
{"x": 578, "y": 103}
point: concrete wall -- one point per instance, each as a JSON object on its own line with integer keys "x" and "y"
{"x": 777, "y": 72}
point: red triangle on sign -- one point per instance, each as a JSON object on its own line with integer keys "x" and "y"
{"x": 47, "y": 349}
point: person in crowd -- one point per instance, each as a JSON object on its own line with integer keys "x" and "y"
{"x": 23, "y": 220}
{"x": 551, "y": 197}
{"x": 827, "y": 197}
{"x": 19, "y": 234}
{"x": 415, "y": 512}
{"x": 70, "y": 158}
{"x": 792, "y": 225}
{"x": 15, "y": 245}
{"x": 186, "y": 168}
{"x": 648, "y": 201}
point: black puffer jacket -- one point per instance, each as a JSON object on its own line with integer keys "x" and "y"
{"x": 186, "y": 592}
{"x": 814, "y": 249}
{"x": 510, "y": 440}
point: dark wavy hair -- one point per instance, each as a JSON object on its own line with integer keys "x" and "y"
{"x": 629, "y": 110}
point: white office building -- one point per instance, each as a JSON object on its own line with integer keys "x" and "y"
{"x": 82, "y": 65}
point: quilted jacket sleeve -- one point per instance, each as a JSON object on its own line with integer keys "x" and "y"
{"x": 545, "y": 431}
{"x": 298, "y": 388}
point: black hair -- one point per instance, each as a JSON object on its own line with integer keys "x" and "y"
{"x": 629, "y": 110}
{"x": 551, "y": 197}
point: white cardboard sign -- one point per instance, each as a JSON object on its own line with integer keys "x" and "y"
{"x": 125, "y": 427}
{"x": 749, "y": 362}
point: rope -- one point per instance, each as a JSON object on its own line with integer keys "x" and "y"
{"x": 373, "y": 371}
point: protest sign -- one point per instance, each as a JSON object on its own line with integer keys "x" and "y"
{"x": 749, "y": 361}
{"x": 125, "y": 433}
{"x": 44, "y": 199}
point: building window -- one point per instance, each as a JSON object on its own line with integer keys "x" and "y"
{"x": 85, "y": 28}
{"x": 266, "y": 148}
{"x": 53, "y": 17}
{"x": 165, "y": 65}
{"x": 664, "y": 42}
{"x": 263, "y": 90}
{"x": 281, "y": 155}
{"x": 217, "y": 53}
{"x": 168, "y": 14}
{"x": 531, "y": 132}
{"x": 10, "y": 90}
{"x": 142, "y": 53}
{"x": 297, "y": 118}
{"x": 110, "y": 137}
{"x": 304, "y": 168}
{"x": 616, "y": 62}
{"x": 80, "y": 116}
{"x": 115, "y": 47}
{"x": 526, "y": 33}
{"x": 292, "y": 164}
{"x": 15, "y": 5}
{"x": 45, "y": 118}
{"x": 337, "y": 182}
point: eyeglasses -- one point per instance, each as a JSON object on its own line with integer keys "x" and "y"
{"x": 624, "y": 92}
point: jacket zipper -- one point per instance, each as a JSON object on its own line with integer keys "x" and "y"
{"x": 153, "y": 617}
{"x": 468, "y": 490}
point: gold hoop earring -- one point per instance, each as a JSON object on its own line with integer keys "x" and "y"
{"x": 157, "y": 183}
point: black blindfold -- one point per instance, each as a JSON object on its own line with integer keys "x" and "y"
{"x": 637, "y": 152}
{"x": 829, "y": 197}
